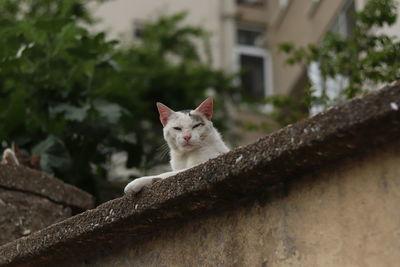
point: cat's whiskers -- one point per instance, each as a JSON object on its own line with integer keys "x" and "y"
{"x": 163, "y": 151}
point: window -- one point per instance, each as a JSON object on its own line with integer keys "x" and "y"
{"x": 331, "y": 88}
{"x": 345, "y": 21}
{"x": 249, "y": 37}
{"x": 138, "y": 31}
{"x": 252, "y": 77}
{"x": 253, "y": 62}
{"x": 328, "y": 88}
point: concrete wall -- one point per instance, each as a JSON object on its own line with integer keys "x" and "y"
{"x": 31, "y": 200}
{"x": 343, "y": 215}
{"x": 22, "y": 213}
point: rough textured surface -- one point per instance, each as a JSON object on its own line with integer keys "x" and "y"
{"x": 22, "y": 214}
{"x": 28, "y": 180}
{"x": 31, "y": 200}
{"x": 242, "y": 175}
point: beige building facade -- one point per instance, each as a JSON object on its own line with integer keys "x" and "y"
{"x": 124, "y": 18}
{"x": 302, "y": 22}
{"x": 237, "y": 31}
{"x": 245, "y": 34}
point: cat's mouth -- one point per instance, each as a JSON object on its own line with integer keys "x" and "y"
{"x": 188, "y": 146}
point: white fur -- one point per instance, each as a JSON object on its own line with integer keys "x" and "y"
{"x": 205, "y": 143}
{"x": 9, "y": 157}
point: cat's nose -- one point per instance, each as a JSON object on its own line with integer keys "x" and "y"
{"x": 187, "y": 137}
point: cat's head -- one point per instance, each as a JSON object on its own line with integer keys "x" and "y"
{"x": 186, "y": 130}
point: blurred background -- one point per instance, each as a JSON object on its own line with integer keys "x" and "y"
{"x": 79, "y": 79}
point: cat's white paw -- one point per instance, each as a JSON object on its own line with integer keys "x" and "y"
{"x": 136, "y": 185}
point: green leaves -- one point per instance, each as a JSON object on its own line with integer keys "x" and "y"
{"x": 167, "y": 36}
{"x": 362, "y": 58}
{"x": 110, "y": 111}
{"x": 378, "y": 13}
{"x": 74, "y": 98}
{"x": 70, "y": 112}
{"x": 53, "y": 155}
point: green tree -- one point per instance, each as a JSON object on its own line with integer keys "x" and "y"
{"x": 366, "y": 58}
{"x": 74, "y": 98}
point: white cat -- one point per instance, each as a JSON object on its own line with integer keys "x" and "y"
{"x": 9, "y": 157}
{"x": 191, "y": 138}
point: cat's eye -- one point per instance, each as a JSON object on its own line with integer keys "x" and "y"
{"x": 178, "y": 128}
{"x": 197, "y": 125}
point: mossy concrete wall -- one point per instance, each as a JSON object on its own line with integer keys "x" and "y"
{"x": 346, "y": 214}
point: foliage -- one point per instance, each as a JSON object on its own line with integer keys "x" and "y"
{"x": 74, "y": 97}
{"x": 287, "y": 109}
{"x": 365, "y": 58}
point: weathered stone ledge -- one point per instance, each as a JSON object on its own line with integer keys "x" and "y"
{"x": 243, "y": 173}
{"x": 22, "y": 179}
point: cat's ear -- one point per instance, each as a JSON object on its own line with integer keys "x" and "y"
{"x": 206, "y": 108}
{"x": 165, "y": 112}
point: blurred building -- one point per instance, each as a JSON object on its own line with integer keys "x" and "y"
{"x": 125, "y": 18}
{"x": 245, "y": 33}
{"x": 237, "y": 32}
